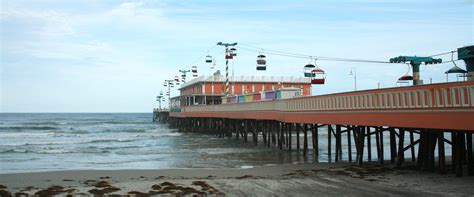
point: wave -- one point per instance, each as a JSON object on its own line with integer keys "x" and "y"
{"x": 19, "y": 128}
{"x": 134, "y": 131}
{"x": 12, "y": 151}
{"x": 107, "y": 140}
{"x": 54, "y": 151}
{"x": 44, "y": 123}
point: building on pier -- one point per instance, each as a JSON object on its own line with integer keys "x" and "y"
{"x": 210, "y": 90}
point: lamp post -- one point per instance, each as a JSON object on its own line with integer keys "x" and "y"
{"x": 354, "y": 72}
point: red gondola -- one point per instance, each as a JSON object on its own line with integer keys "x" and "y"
{"x": 228, "y": 55}
{"x": 318, "y": 76}
{"x": 405, "y": 78}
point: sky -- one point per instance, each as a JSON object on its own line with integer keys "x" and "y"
{"x": 112, "y": 56}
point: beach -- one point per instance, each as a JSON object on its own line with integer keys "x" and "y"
{"x": 321, "y": 179}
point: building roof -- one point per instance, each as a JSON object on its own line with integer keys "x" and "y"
{"x": 256, "y": 79}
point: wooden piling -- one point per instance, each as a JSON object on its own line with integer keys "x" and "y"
{"x": 369, "y": 145}
{"x": 280, "y": 135}
{"x": 329, "y": 142}
{"x": 305, "y": 140}
{"x": 441, "y": 155}
{"x": 361, "y": 137}
{"x": 459, "y": 138}
{"x": 315, "y": 141}
{"x": 298, "y": 128}
{"x": 413, "y": 159}
{"x": 290, "y": 127}
{"x": 401, "y": 153}
{"x": 349, "y": 146}
{"x": 470, "y": 151}
{"x": 393, "y": 145}
{"x": 377, "y": 142}
{"x": 338, "y": 143}
{"x": 453, "y": 150}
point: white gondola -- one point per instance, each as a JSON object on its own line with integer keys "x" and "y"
{"x": 261, "y": 62}
{"x": 233, "y": 52}
{"x": 208, "y": 59}
{"x": 455, "y": 70}
{"x": 194, "y": 71}
{"x": 308, "y": 68}
{"x": 176, "y": 80}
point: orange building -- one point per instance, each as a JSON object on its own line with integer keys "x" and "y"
{"x": 208, "y": 90}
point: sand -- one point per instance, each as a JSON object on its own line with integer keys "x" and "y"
{"x": 320, "y": 179}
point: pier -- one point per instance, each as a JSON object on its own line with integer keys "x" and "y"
{"x": 427, "y": 113}
{"x": 419, "y": 121}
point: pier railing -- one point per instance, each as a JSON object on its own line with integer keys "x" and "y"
{"x": 438, "y": 96}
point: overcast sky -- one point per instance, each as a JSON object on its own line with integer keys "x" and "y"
{"x": 112, "y": 56}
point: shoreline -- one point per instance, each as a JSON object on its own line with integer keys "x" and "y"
{"x": 280, "y": 180}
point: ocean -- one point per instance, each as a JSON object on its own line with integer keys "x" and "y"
{"x": 75, "y": 141}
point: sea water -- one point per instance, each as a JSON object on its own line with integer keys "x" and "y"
{"x": 63, "y": 141}
{"x": 73, "y": 141}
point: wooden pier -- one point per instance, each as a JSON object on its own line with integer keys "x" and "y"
{"x": 161, "y": 116}
{"x": 415, "y": 120}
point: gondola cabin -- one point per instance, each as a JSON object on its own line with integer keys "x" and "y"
{"x": 228, "y": 55}
{"x": 318, "y": 76}
{"x": 405, "y": 79}
{"x": 194, "y": 71}
{"x": 308, "y": 68}
{"x": 176, "y": 80}
{"x": 209, "y": 59}
{"x": 261, "y": 62}
{"x": 233, "y": 52}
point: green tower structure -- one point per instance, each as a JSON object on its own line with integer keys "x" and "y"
{"x": 467, "y": 54}
{"x": 415, "y": 63}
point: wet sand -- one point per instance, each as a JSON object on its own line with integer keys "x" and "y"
{"x": 283, "y": 180}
